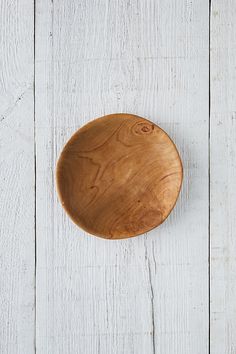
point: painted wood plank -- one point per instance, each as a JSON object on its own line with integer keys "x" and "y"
{"x": 148, "y": 294}
{"x": 223, "y": 172}
{"x": 17, "y": 261}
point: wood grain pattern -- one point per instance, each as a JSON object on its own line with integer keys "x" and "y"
{"x": 119, "y": 176}
{"x": 17, "y": 258}
{"x": 144, "y": 294}
{"x": 223, "y": 172}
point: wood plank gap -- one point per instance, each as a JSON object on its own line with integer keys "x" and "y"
{"x": 35, "y": 195}
{"x": 209, "y": 185}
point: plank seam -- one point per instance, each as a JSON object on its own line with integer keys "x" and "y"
{"x": 152, "y": 296}
{"x": 209, "y": 184}
{"x": 35, "y": 189}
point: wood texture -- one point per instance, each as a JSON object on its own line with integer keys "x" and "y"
{"x": 119, "y": 176}
{"x": 141, "y": 295}
{"x": 17, "y": 256}
{"x": 223, "y": 173}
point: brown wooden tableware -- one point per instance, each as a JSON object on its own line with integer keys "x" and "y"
{"x": 119, "y": 176}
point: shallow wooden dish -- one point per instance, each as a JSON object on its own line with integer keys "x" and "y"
{"x": 119, "y": 176}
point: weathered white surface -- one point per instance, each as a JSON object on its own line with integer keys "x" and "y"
{"x": 148, "y": 294}
{"x": 16, "y": 177}
{"x": 223, "y": 177}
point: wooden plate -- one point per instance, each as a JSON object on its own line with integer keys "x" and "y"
{"x": 119, "y": 176}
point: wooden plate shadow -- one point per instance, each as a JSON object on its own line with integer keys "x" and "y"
{"x": 119, "y": 176}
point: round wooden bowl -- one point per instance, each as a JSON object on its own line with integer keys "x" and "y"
{"x": 119, "y": 176}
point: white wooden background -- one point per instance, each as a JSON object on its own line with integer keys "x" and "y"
{"x": 63, "y": 63}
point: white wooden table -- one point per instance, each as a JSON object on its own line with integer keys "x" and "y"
{"x": 63, "y": 63}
